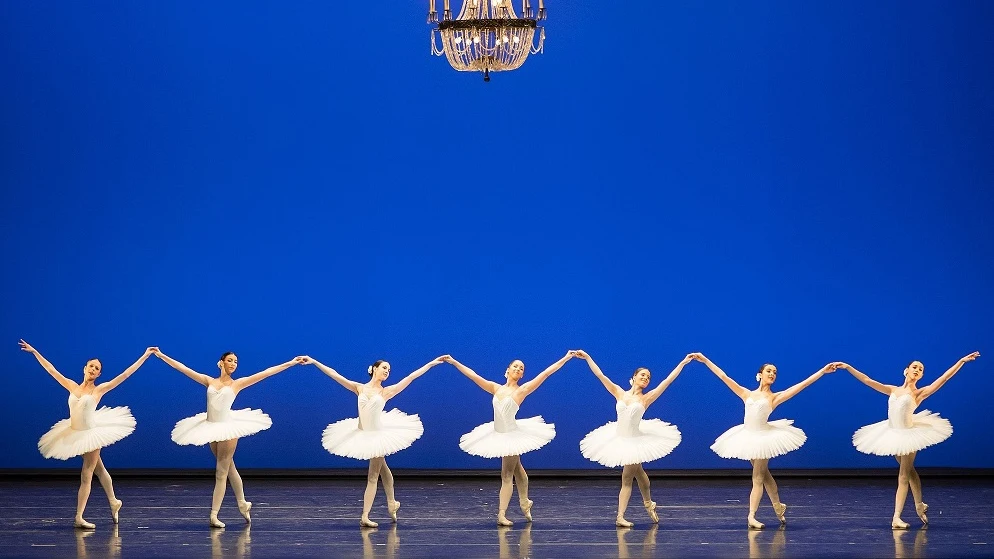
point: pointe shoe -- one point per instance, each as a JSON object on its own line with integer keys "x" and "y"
{"x": 620, "y": 522}
{"x": 755, "y": 524}
{"x": 367, "y": 523}
{"x": 115, "y": 508}
{"x": 921, "y": 509}
{"x": 898, "y": 524}
{"x": 650, "y": 507}
{"x": 526, "y": 509}
{"x": 780, "y": 509}
{"x": 84, "y": 525}
{"x": 392, "y": 508}
{"x": 502, "y": 520}
{"x": 215, "y": 523}
{"x": 244, "y": 507}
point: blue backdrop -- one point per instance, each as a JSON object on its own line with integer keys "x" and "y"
{"x": 790, "y": 182}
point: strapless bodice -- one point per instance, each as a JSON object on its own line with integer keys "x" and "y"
{"x": 219, "y": 403}
{"x": 369, "y": 411}
{"x": 900, "y": 411}
{"x": 81, "y": 411}
{"x": 629, "y": 417}
{"x": 504, "y": 414}
{"x": 757, "y": 412}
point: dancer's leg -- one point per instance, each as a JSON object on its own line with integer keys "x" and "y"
{"x": 902, "y": 492}
{"x": 521, "y": 480}
{"x": 507, "y": 466}
{"x": 90, "y": 460}
{"x": 642, "y": 479}
{"x": 367, "y": 498}
{"x": 915, "y": 484}
{"x": 756, "y": 495}
{"x": 224, "y": 451}
{"x": 773, "y": 491}
{"x": 108, "y": 484}
{"x": 386, "y": 476}
{"x": 627, "y": 476}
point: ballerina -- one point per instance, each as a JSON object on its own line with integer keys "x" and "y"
{"x": 630, "y": 441}
{"x": 374, "y": 435}
{"x": 757, "y": 439}
{"x": 506, "y": 437}
{"x": 905, "y": 432}
{"x": 88, "y": 429}
{"x": 220, "y": 427}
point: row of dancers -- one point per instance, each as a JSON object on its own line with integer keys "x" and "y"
{"x": 629, "y": 442}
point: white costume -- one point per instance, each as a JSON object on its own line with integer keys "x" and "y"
{"x": 904, "y": 431}
{"x": 220, "y": 422}
{"x": 87, "y": 429}
{"x": 374, "y": 433}
{"x": 506, "y": 435}
{"x": 630, "y": 439}
{"x": 757, "y": 438}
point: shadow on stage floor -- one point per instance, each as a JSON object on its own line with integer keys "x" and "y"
{"x": 455, "y": 517}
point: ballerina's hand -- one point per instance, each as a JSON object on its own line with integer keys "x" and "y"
{"x": 690, "y": 357}
{"x": 581, "y": 354}
{"x": 152, "y": 350}
{"x": 306, "y": 360}
{"x": 443, "y": 359}
{"x": 831, "y": 367}
{"x": 571, "y": 354}
{"x": 970, "y": 357}
{"x": 25, "y": 346}
{"x": 299, "y": 360}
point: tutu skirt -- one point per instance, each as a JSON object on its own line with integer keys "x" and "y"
{"x": 927, "y": 429}
{"x": 655, "y": 439}
{"x": 198, "y": 431}
{"x": 778, "y": 438}
{"x": 109, "y": 426}
{"x": 532, "y": 433}
{"x": 397, "y": 431}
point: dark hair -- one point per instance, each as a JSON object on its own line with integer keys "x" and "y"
{"x": 225, "y": 354}
{"x": 97, "y": 360}
{"x": 913, "y": 361}
{"x": 637, "y": 370}
{"x": 375, "y": 364}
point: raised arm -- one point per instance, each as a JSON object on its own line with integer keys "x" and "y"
{"x": 391, "y": 391}
{"x": 68, "y": 384}
{"x": 613, "y": 388}
{"x": 248, "y": 381}
{"x": 198, "y": 377}
{"x": 865, "y": 379}
{"x": 930, "y": 389}
{"x": 739, "y": 390}
{"x": 483, "y": 383}
{"x": 114, "y": 382}
{"x": 530, "y": 386}
{"x": 349, "y": 384}
{"x": 781, "y": 397}
{"x": 653, "y": 394}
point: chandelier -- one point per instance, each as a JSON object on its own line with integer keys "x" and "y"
{"x": 487, "y": 35}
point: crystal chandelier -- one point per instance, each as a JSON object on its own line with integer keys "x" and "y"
{"x": 487, "y": 35}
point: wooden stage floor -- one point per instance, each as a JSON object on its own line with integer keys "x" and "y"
{"x": 455, "y": 517}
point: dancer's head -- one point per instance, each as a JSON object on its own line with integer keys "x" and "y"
{"x": 914, "y": 371}
{"x": 379, "y": 370}
{"x": 92, "y": 369}
{"x": 640, "y": 378}
{"x": 515, "y": 370}
{"x": 228, "y": 362}
{"x": 767, "y": 374}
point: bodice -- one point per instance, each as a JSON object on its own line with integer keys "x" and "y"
{"x": 81, "y": 411}
{"x": 757, "y": 412}
{"x": 369, "y": 411}
{"x": 900, "y": 411}
{"x": 219, "y": 403}
{"x": 504, "y": 414}
{"x": 629, "y": 417}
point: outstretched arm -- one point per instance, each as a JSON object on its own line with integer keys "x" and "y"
{"x": 781, "y": 397}
{"x": 865, "y": 379}
{"x": 483, "y": 383}
{"x": 613, "y": 388}
{"x": 252, "y": 379}
{"x": 68, "y": 384}
{"x": 391, "y": 391}
{"x": 530, "y": 386}
{"x": 739, "y": 390}
{"x": 930, "y": 389}
{"x": 349, "y": 384}
{"x": 198, "y": 377}
{"x": 114, "y": 382}
{"x": 656, "y": 392}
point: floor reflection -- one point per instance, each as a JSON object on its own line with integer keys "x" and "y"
{"x": 648, "y": 544}
{"x": 524, "y": 548}
{"x": 906, "y": 545}
{"x": 90, "y": 543}
{"x": 242, "y": 543}
{"x": 762, "y": 544}
{"x": 371, "y": 538}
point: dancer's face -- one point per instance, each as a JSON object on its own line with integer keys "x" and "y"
{"x": 915, "y": 371}
{"x": 92, "y": 370}
{"x": 381, "y": 371}
{"x": 768, "y": 376}
{"x": 641, "y": 379}
{"x": 229, "y": 363}
{"x": 515, "y": 370}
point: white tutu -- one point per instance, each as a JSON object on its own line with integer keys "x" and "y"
{"x": 904, "y": 431}
{"x": 747, "y": 443}
{"x": 653, "y": 440}
{"x": 198, "y": 430}
{"x": 100, "y": 428}
{"x": 532, "y": 433}
{"x": 396, "y": 431}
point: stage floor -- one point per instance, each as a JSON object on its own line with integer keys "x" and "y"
{"x": 455, "y": 517}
